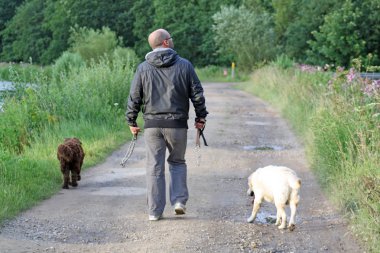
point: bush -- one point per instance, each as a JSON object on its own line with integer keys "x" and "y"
{"x": 244, "y": 36}
{"x": 66, "y": 63}
{"x": 284, "y": 62}
{"x": 93, "y": 44}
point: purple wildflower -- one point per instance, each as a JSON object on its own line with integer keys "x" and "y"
{"x": 351, "y": 75}
{"x": 372, "y": 88}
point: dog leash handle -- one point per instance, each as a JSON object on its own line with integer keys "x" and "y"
{"x": 129, "y": 151}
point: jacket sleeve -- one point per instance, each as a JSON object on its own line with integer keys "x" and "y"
{"x": 135, "y": 99}
{"x": 196, "y": 94}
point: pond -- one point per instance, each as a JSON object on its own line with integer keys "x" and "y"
{"x": 4, "y": 87}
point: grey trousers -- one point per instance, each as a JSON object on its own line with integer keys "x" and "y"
{"x": 157, "y": 140}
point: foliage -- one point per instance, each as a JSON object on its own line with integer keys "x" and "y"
{"x": 66, "y": 63}
{"x": 7, "y": 11}
{"x": 314, "y": 32}
{"x": 190, "y": 26}
{"x": 41, "y": 29}
{"x": 142, "y": 25}
{"x": 338, "y": 117}
{"x": 244, "y": 36}
{"x": 284, "y": 62}
{"x": 22, "y": 73}
{"x": 92, "y": 44}
{"x": 24, "y": 39}
{"x": 351, "y": 31}
{"x": 131, "y": 20}
{"x": 309, "y": 17}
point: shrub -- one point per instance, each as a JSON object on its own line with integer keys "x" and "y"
{"x": 66, "y": 63}
{"x": 93, "y": 44}
{"x": 244, "y": 36}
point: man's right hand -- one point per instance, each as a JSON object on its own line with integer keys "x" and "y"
{"x": 134, "y": 130}
{"x": 200, "y": 123}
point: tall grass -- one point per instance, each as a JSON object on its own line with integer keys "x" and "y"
{"x": 338, "y": 119}
{"x": 25, "y": 71}
{"x": 87, "y": 102}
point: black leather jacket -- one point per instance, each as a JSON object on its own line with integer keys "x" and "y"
{"x": 161, "y": 88}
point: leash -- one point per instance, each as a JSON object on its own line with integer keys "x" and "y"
{"x": 198, "y": 144}
{"x": 129, "y": 151}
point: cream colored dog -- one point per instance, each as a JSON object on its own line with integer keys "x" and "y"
{"x": 279, "y": 185}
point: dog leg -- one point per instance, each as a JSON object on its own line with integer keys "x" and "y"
{"x": 80, "y": 167}
{"x": 278, "y": 218}
{"x": 74, "y": 177}
{"x": 281, "y": 212}
{"x": 293, "y": 209}
{"x": 255, "y": 209}
{"x": 66, "y": 178}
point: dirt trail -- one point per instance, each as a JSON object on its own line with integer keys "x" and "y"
{"x": 107, "y": 212}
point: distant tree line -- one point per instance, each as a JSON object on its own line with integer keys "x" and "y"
{"x": 215, "y": 32}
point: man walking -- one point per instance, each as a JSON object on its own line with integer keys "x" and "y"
{"x": 162, "y": 87}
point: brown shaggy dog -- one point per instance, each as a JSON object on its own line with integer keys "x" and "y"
{"x": 70, "y": 154}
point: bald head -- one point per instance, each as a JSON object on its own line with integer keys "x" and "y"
{"x": 160, "y": 38}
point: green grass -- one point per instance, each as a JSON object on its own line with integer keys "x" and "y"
{"x": 35, "y": 174}
{"x": 84, "y": 101}
{"x": 22, "y": 72}
{"x": 339, "y": 126}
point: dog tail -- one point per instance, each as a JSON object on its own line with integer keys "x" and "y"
{"x": 65, "y": 153}
{"x": 295, "y": 183}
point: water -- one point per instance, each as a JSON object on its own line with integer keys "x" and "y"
{"x": 4, "y": 86}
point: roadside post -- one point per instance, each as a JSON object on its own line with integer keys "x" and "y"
{"x": 233, "y": 70}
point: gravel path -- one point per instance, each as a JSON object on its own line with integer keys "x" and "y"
{"x": 107, "y": 212}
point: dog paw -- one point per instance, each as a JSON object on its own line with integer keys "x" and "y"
{"x": 65, "y": 187}
{"x": 292, "y": 227}
{"x": 281, "y": 227}
{"x": 250, "y": 220}
{"x": 78, "y": 178}
{"x": 74, "y": 184}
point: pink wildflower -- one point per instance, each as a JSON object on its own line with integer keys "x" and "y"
{"x": 372, "y": 89}
{"x": 351, "y": 75}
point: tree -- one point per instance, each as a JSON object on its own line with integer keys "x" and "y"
{"x": 245, "y": 36}
{"x": 93, "y": 44}
{"x": 143, "y": 18}
{"x": 7, "y": 10}
{"x": 41, "y": 29}
{"x": 349, "y": 32}
{"x": 284, "y": 14}
{"x": 24, "y": 38}
{"x": 190, "y": 24}
{"x": 309, "y": 17}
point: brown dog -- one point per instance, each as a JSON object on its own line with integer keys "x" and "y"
{"x": 70, "y": 154}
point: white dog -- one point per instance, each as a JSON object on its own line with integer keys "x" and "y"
{"x": 279, "y": 185}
